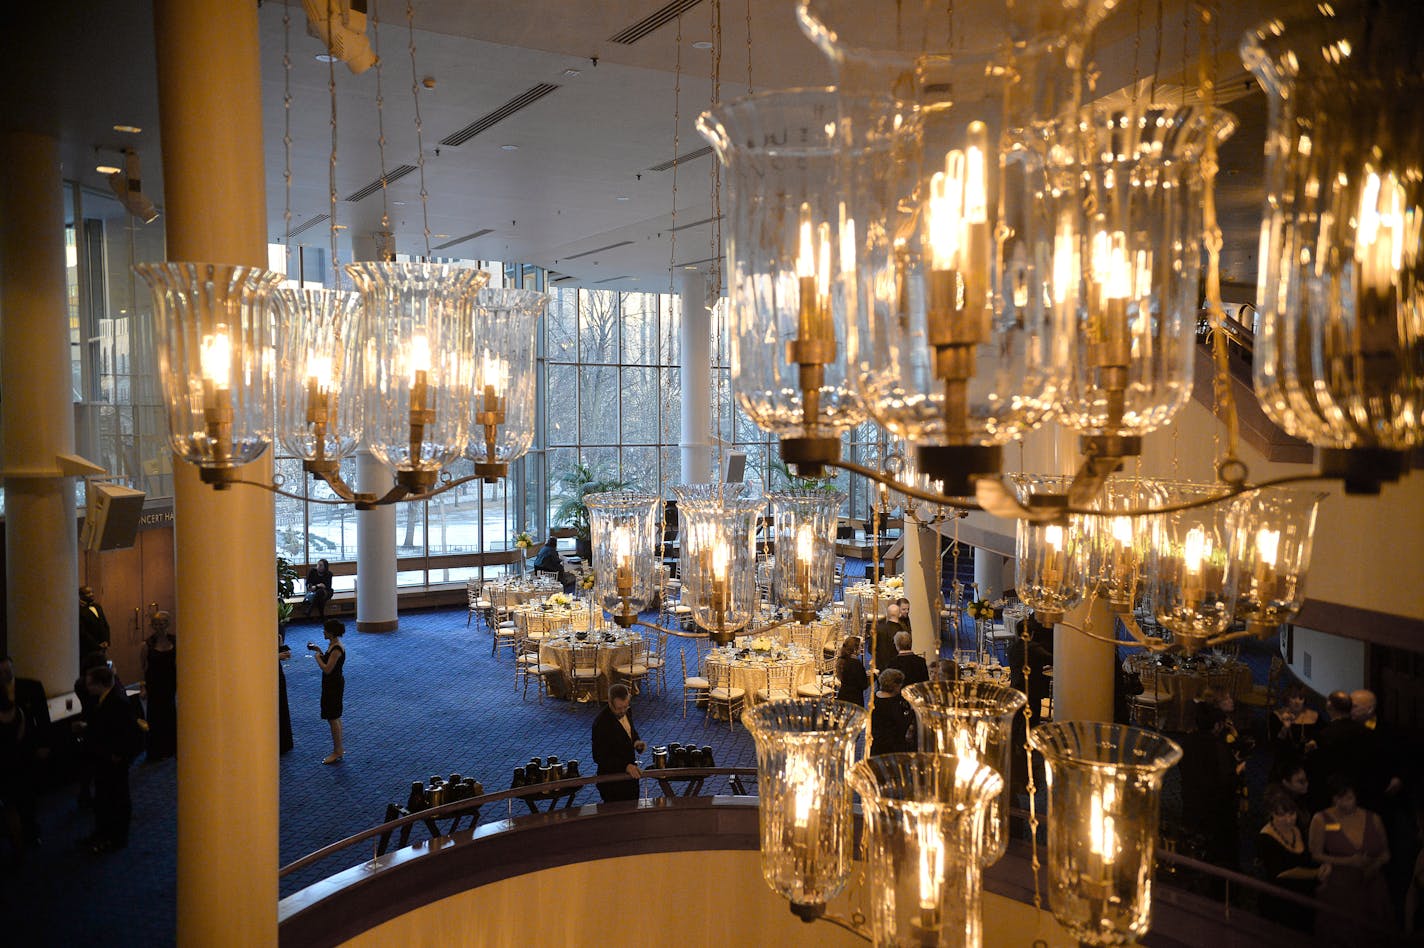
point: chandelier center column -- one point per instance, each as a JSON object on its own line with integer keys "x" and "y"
{"x": 210, "y": 94}
{"x": 41, "y": 561}
{"x": 376, "y": 600}
{"x": 695, "y": 338}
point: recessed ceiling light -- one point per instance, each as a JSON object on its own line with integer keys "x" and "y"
{"x": 439, "y": 236}
{"x": 326, "y": 58}
{"x": 107, "y": 169}
{"x": 509, "y": 147}
{"x": 702, "y": 44}
{"x": 571, "y": 73}
{"x": 128, "y": 129}
{"x": 622, "y": 197}
{"x": 398, "y": 204}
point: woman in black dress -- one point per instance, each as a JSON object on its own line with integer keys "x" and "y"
{"x": 160, "y": 677}
{"x": 1282, "y": 847}
{"x": 333, "y": 684}
{"x": 850, "y": 670}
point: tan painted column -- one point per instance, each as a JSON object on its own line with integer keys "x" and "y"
{"x": 1083, "y": 667}
{"x": 210, "y": 100}
{"x": 41, "y": 549}
{"x": 922, "y": 588}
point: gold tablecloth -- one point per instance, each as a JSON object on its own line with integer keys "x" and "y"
{"x": 750, "y": 672}
{"x": 615, "y": 647}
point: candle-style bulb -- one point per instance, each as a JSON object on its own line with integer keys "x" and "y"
{"x": 1122, "y": 531}
{"x": 215, "y": 357}
{"x": 1267, "y": 545}
{"x": 418, "y": 356}
{"x": 1194, "y": 550}
{"x": 806, "y": 245}
{"x": 805, "y": 543}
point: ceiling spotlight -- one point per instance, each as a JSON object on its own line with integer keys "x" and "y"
{"x": 327, "y": 58}
{"x": 107, "y": 169}
{"x": 571, "y": 73}
{"x": 128, "y": 129}
{"x": 509, "y": 147}
{"x": 702, "y": 44}
{"x": 622, "y": 197}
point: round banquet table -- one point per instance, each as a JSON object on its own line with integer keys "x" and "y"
{"x": 537, "y": 621}
{"x": 1178, "y": 686}
{"x": 507, "y": 594}
{"x": 861, "y": 598}
{"x": 749, "y": 668}
{"x": 615, "y": 647}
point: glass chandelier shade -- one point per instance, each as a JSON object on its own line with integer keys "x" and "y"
{"x": 417, "y": 364}
{"x": 1341, "y": 296}
{"x": 623, "y": 532}
{"x": 505, "y": 328}
{"x": 1049, "y": 560}
{"x": 784, "y": 249}
{"x": 805, "y": 749}
{"x": 803, "y": 577}
{"x": 1104, "y": 801}
{"x": 719, "y": 561}
{"x": 1127, "y": 252}
{"x": 318, "y": 411}
{"x": 1116, "y": 549}
{"x": 953, "y": 343}
{"x": 215, "y": 335}
{"x": 972, "y": 719}
{"x": 1189, "y": 567}
{"x": 924, "y": 825}
{"x": 1270, "y": 534}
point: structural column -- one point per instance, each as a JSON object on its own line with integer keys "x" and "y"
{"x": 1082, "y": 666}
{"x": 376, "y": 603}
{"x": 922, "y": 587}
{"x": 988, "y": 571}
{"x": 696, "y": 343}
{"x": 210, "y": 101}
{"x": 41, "y": 555}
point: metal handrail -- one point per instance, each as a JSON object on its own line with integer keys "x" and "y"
{"x": 464, "y": 807}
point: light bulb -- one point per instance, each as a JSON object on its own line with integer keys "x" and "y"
{"x": 494, "y": 372}
{"x": 1053, "y": 537}
{"x": 976, "y": 174}
{"x": 622, "y": 546}
{"x": 721, "y": 558}
{"x": 805, "y": 543}
{"x": 215, "y": 357}
{"x": 931, "y": 846}
{"x": 1122, "y": 530}
{"x": 823, "y": 260}
{"x": 805, "y": 245}
{"x": 1194, "y": 550}
{"x": 319, "y": 371}
{"x": 1267, "y": 544}
{"x": 946, "y": 211}
{"x": 418, "y": 356}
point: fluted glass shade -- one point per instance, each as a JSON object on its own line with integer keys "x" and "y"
{"x": 214, "y": 331}
{"x": 1270, "y": 534}
{"x": 417, "y": 363}
{"x": 1104, "y": 801}
{"x": 1188, "y": 567}
{"x": 1337, "y": 350}
{"x": 1115, "y": 548}
{"x": 719, "y": 561}
{"x": 505, "y": 329}
{"x": 1048, "y": 568}
{"x": 783, "y": 239}
{"x": 805, "y": 749}
{"x": 924, "y": 828}
{"x": 318, "y": 407}
{"x": 623, "y": 531}
{"x": 972, "y": 719}
{"x": 1131, "y": 244}
{"x": 805, "y": 529}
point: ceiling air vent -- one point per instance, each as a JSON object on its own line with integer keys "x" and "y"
{"x": 587, "y": 253}
{"x": 560, "y": 279}
{"x": 392, "y": 176}
{"x": 653, "y": 21}
{"x": 301, "y": 228}
{"x": 614, "y": 279}
{"x": 483, "y": 124}
{"x": 683, "y": 159}
{"x": 461, "y": 240}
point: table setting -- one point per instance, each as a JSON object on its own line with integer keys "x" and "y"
{"x": 749, "y": 658}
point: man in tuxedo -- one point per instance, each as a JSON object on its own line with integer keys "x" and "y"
{"x": 616, "y": 746}
{"x": 1341, "y": 747}
{"x": 93, "y": 626}
{"x": 885, "y": 632}
{"x": 113, "y": 739}
{"x": 912, "y": 666}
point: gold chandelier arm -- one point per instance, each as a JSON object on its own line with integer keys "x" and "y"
{"x": 274, "y": 489}
{"x": 849, "y": 924}
{"x": 880, "y": 477}
{"x": 680, "y": 633}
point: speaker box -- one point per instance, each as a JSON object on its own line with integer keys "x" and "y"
{"x": 111, "y": 520}
{"x": 736, "y": 468}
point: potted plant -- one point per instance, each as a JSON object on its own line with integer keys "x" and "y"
{"x": 575, "y": 484}
{"x": 286, "y": 589}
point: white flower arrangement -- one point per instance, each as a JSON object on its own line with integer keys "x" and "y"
{"x": 761, "y": 645}
{"x": 562, "y": 600}
{"x": 895, "y": 582}
{"x": 523, "y": 540}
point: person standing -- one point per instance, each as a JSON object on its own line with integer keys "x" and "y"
{"x": 892, "y": 720}
{"x": 93, "y": 626}
{"x": 616, "y": 746}
{"x": 160, "y": 675}
{"x": 912, "y": 666}
{"x": 333, "y": 684}
{"x": 1351, "y": 841}
{"x": 850, "y": 672}
{"x": 113, "y": 739}
{"x": 885, "y": 631}
{"x": 318, "y": 588}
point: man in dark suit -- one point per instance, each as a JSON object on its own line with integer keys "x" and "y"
{"x": 912, "y": 666}
{"x": 893, "y": 725}
{"x": 28, "y": 695}
{"x": 93, "y": 626}
{"x": 1341, "y": 747}
{"x": 616, "y": 746}
{"x": 113, "y": 739}
{"x": 885, "y": 631}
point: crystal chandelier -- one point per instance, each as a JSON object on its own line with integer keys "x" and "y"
{"x": 623, "y": 531}
{"x": 804, "y": 523}
{"x": 718, "y": 540}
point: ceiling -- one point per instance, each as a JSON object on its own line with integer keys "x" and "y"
{"x": 575, "y": 176}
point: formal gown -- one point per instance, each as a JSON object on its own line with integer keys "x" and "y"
{"x": 1362, "y": 895}
{"x": 161, "y": 680}
{"x": 333, "y": 684}
{"x": 853, "y": 682}
{"x": 1276, "y": 857}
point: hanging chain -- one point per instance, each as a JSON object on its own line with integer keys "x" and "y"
{"x": 287, "y": 135}
{"x": 419, "y": 132}
{"x": 1026, "y": 635}
{"x": 949, "y": 26}
{"x": 719, "y": 312}
{"x": 1186, "y": 41}
{"x": 1156, "y": 55}
{"x": 380, "y": 120}
{"x": 750, "y": 87}
{"x": 331, "y": 169}
{"x": 676, "y": 132}
{"x": 1137, "y": 56}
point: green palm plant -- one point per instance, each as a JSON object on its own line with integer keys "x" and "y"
{"x": 575, "y": 484}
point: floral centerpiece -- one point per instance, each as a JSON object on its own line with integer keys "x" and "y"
{"x": 981, "y": 609}
{"x": 587, "y": 581}
{"x": 523, "y": 540}
{"x": 895, "y": 582}
{"x": 560, "y": 600}
{"x": 761, "y": 645}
